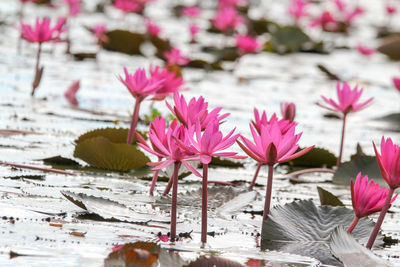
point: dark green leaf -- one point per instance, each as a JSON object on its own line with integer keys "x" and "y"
{"x": 201, "y": 64}
{"x": 262, "y": 26}
{"x": 102, "y": 153}
{"x": 115, "y": 135}
{"x": 367, "y": 165}
{"x": 162, "y": 45}
{"x": 124, "y": 42}
{"x": 391, "y": 121}
{"x": 288, "y": 39}
{"x": 302, "y": 228}
{"x": 317, "y": 157}
{"x": 59, "y": 162}
{"x": 391, "y": 47}
{"x": 327, "y": 198}
{"x": 83, "y": 56}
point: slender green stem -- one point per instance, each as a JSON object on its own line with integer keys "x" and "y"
{"x": 134, "y": 121}
{"x": 378, "y": 224}
{"x": 253, "y": 182}
{"x": 353, "y": 224}
{"x": 204, "y": 205}
{"x": 339, "y": 159}
{"x": 177, "y": 165}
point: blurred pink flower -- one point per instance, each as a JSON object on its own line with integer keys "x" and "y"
{"x": 70, "y": 93}
{"x": 247, "y": 44}
{"x": 341, "y": 6}
{"x": 171, "y": 82}
{"x": 191, "y": 11}
{"x": 350, "y": 16}
{"x": 288, "y": 110}
{"x": 229, "y": 3}
{"x": 174, "y": 57}
{"x": 100, "y": 31}
{"x": 389, "y": 162}
{"x": 193, "y": 29}
{"x": 42, "y": 32}
{"x": 396, "y": 82}
{"x": 325, "y": 21}
{"x": 390, "y": 10}
{"x": 128, "y": 6}
{"x": 227, "y": 19}
{"x": 365, "y": 50}
{"x": 74, "y": 6}
{"x": 297, "y": 9}
{"x": 152, "y": 28}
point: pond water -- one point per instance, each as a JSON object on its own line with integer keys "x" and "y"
{"x": 37, "y": 220}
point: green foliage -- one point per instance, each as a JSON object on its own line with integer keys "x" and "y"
{"x": 367, "y": 165}
{"x": 317, "y": 157}
{"x": 115, "y": 135}
{"x": 327, "y": 198}
{"x": 124, "y": 42}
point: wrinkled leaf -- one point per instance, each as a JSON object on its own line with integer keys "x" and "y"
{"x": 367, "y": 165}
{"x": 344, "y": 247}
{"x": 111, "y": 210}
{"x": 302, "y": 228}
{"x": 317, "y": 157}
{"x": 124, "y": 42}
{"x": 327, "y": 198}
{"x": 391, "y": 47}
{"x": 213, "y": 261}
{"x": 101, "y": 153}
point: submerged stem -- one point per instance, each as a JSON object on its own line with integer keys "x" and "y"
{"x": 353, "y": 224}
{"x": 174, "y": 177}
{"x": 256, "y": 175}
{"x": 339, "y": 159}
{"x": 378, "y": 224}
{"x": 134, "y": 121}
{"x": 204, "y": 205}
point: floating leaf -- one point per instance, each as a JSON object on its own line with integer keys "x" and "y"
{"x": 391, "y": 47}
{"x": 124, "y": 42}
{"x": 288, "y": 39}
{"x": 114, "y": 135}
{"x": 213, "y": 261}
{"x": 392, "y": 121}
{"x": 110, "y": 210}
{"x": 367, "y": 165}
{"x": 317, "y": 157}
{"x": 302, "y": 228}
{"x": 101, "y": 153}
{"x": 327, "y": 198}
{"x": 82, "y": 56}
{"x": 201, "y": 64}
{"x": 60, "y": 162}
{"x": 262, "y": 26}
{"x": 162, "y": 45}
{"x": 344, "y": 247}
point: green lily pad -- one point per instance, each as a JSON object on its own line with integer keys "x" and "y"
{"x": 162, "y": 45}
{"x": 287, "y": 39}
{"x": 367, "y": 165}
{"x": 202, "y": 64}
{"x": 82, "y": 56}
{"x": 261, "y": 26}
{"x": 100, "y": 152}
{"x": 317, "y": 157}
{"x": 124, "y": 42}
{"x": 391, "y": 47}
{"x": 327, "y": 198}
{"x": 59, "y": 162}
{"x": 115, "y": 135}
{"x": 303, "y": 228}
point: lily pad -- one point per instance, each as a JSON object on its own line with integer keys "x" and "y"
{"x": 261, "y": 26}
{"x": 327, "y": 198}
{"x": 115, "y": 135}
{"x": 60, "y": 162}
{"x": 124, "y": 42}
{"x": 344, "y": 247}
{"x": 303, "y": 228}
{"x": 392, "y": 122}
{"x": 317, "y": 157}
{"x": 367, "y": 165}
{"x": 391, "y": 47}
{"x": 162, "y": 45}
{"x": 202, "y": 64}
{"x": 100, "y": 152}
{"x": 287, "y": 39}
{"x": 82, "y": 56}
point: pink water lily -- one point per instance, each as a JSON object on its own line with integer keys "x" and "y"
{"x": 205, "y": 145}
{"x": 284, "y": 125}
{"x": 100, "y": 30}
{"x": 389, "y": 166}
{"x": 227, "y": 19}
{"x": 390, "y": 9}
{"x": 174, "y": 57}
{"x": 348, "y": 101}
{"x": 288, "y": 110}
{"x": 188, "y": 113}
{"x": 152, "y": 28}
{"x": 128, "y": 6}
{"x": 194, "y": 30}
{"x": 396, "y": 83}
{"x": 171, "y": 82}
{"x": 297, "y": 8}
{"x": 140, "y": 86}
{"x": 367, "y": 198}
{"x": 191, "y": 11}
{"x": 326, "y": 21}
{"x": 365, "y": 50}
{"x": 74, "y": 6}
{"x": 272, "y": 146}
{"x": 247, "y": 44}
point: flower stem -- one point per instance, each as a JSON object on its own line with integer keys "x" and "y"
{"x": 256, "y": 175}
{"x": 174, "y": 177}
{"x": 353, "y": 224}
{"x": 154, "y": 180}
{"x": 268, "y": 192}
{"x": 168, "y": 187}
{"x": 36, "y": 77}
{"x": 204, "y": 205}
{"x": 339, "y": 159}
{"x": 378, "y": 224}
{"x": 134, "y": 121}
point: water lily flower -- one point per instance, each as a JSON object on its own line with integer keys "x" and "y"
{"x": 128, "y": 6}
{"x": 389, "y": 166}
{"x": 174, "y": 57}
{"x": 40, "y": 33}
{"x": 367, "y": 198}
{"x": 174, "y": 154}
{"x": 196, "y": 109}
{"x": 350, "y": 16}
{"x": 172, "y": 83}
{"x": 247, "y": 44}
{"x": 70, "y": 93}
{"x": 229, "y": 3}
{"x": 341, "y": 6}
{"x": 348, "y": 103}
{"x": 100, "y": 30}
{"x": 191, "y": 11}
{"x": 194, "y": 30}
{"x": 152, "y": 28}
{"x": 74, "y": 6}
{"x": 390, "y": 10}
{"x": 396, "y": 82}
{"x": 365, "y": 50}
{"x": 227, "y": 19}
{"x": 325, "y": 21}
{"x": 140, "y": 87}
{"x": 297, "y": 8}
{"x": 205, "y": 145}
{"x": 270, "y": 147}
{"x": 288, "y": 110}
